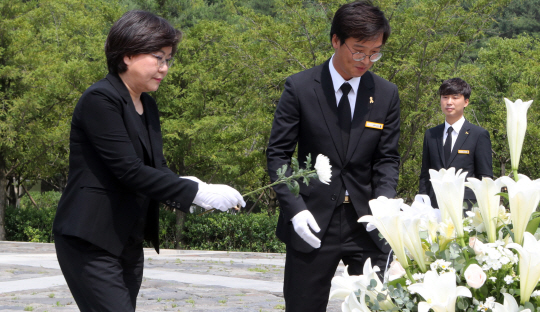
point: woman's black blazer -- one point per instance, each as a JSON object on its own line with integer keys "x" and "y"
{"x": 108, "y": 181}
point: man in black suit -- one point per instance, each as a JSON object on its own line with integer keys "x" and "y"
{"x": 469, "y": 148}
{"x": 341, "y": 110}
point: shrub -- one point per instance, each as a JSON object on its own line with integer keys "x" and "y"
{"x": 214, "y": 231}
{"x": 222, "y": 231}
{"x": 31, "y": 224}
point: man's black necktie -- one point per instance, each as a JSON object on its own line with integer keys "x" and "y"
{"x": 344, "y": 114}
{"x": 448, "y": 145}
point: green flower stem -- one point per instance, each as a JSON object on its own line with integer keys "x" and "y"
{"x": 409, "y": 274}
{"x": 461, "y": 242}
{"x": 285, "y": 180}
{"x": 515, "y": 171}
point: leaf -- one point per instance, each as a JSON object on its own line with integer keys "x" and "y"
{"x": 504, "y": 194}
{"x": 308, "y": 162}
{"x": 295, "y": 188}
{"x": 294, "y": 165}
{"x": 399, "y": 281}
{"x": 534, "y": 223}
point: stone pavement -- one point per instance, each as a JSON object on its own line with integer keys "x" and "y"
{"x": 174, "y": 280}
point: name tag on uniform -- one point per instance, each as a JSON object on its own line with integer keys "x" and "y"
{"x": 463, "y": 151}
{"x": 374, "y": 125}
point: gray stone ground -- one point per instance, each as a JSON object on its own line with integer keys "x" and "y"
{"x": 174, "y": 280}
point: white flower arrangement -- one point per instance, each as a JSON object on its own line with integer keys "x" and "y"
{"x": 497, "y": 270}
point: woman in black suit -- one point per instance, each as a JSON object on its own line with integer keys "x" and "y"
{"x": 117, "y": 171}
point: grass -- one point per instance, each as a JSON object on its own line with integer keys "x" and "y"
{"x": 257, "y": 269}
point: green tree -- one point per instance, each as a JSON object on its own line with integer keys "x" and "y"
{"x": 519, "y": 17}
{"x": 218, "y": 106}
{"x": 50, "y": 52}
{"x": 506, "y": 68}
{"x": 430, "y": 41}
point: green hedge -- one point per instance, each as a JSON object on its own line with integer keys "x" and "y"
{"x": 214, "y": 231}
{"x": 30, "y": 224}
{"x": 222, "y": 231}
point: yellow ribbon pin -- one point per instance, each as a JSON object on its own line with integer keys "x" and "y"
{"x": 370, "y": 99}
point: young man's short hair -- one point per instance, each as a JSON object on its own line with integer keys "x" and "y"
{"x": 360, "y": 20}
{"x": 455, "y": 86}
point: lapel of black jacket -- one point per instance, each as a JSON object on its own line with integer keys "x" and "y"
{"x": 327, "y": 102}
{"x": 362, "y": 108}
{"x": 462, "y": 137}
{"x": 130, "y": 112}
{"x": 438, "y": 134}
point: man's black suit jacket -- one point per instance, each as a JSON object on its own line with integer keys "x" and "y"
{"x": 307, "y": 115}
{"x": 471, "y": 153}
{"x": 108, "y": 182}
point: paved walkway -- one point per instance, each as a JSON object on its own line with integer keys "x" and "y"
{"x": 174, "y": 280}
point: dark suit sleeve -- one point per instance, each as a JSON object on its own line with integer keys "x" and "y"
{"x": 104, "y": 126}
{"x": 483, "y": 160}
{"x": 426, "y": 165}
{"x": 281, "y": 146}
{"x": 386, "y": 157}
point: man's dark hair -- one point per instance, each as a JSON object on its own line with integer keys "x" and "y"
{"x": 455, "y": 86}
{"x": 360, "y": 20}
{"x": 138, "y": 32}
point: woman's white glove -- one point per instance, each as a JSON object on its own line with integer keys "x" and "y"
{"x": 302, "y": 221}
{"x": 219, "y": 196}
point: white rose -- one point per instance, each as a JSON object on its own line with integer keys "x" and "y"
{"x": 395, "y": 270}
{"x": 476, "y": 245}
{"x": 475, "y": 276}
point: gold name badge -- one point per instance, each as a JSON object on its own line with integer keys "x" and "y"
{"x": 374, "y": 125}
{"x": 463, "y": 151}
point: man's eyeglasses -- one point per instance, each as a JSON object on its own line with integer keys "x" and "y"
{"x": 359, "y": 56}
{"x": 162, "y": 61}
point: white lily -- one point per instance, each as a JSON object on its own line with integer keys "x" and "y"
{"x": 510, "y": 305}
{"x": 323, "y": 168}
{"x": 415, "y": 219}
{"x": 351, "y": 303}
{"x": 529, "y": 265}
{"x": 524, "y": 198}
{"x": 439, "y": 292}
{"x": 516, "y": 126}
{"x": 370, "y": 273}
{"x": 488, "y": 202}
{"x": 343, "y": 285}
{"x": 387, "y": 219}
{"x": 449, "y": 187}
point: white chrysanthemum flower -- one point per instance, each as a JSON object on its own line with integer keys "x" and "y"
{"x": 418, "y": 277}
{"x": 324, "y": 169}
{"x": 493, "y": 278}
{"x": 508, "y": 279}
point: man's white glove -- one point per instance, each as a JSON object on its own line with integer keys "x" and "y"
{"x": 219, "y": 196}
{"x": 302, "y": 221}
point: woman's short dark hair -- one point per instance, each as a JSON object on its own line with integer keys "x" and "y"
{"x": 455, "y": 86}
{"x": 360, "y": 20}
{"x": 138, "y": 32}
